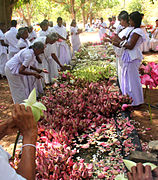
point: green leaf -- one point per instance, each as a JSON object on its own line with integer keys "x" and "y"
{"x": 153, "y": 166}
{"x": 32, "y": 97}
{"x": 120, "y": 177}
{"x": 129, "y": 164}
{"x": 39, "y": 106}
{"x": 36, "y": 113}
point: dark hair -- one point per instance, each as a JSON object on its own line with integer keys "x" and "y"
{"x": 121, "y": 13}
{"x": 13, "y": 23}
{"x": 43, "y": 23}
{"x": 156, "y": 19}
{"x": 73, "y": 21}
{"x": 101, "y": 18}
{"x": 110, "y": 19}
{"x": 21, "y": 31}
{"x": 142, "y": 15}
{"x": 46, "y": 20}
{"x": 136, "y": 18}
{"x": 37, "y": 45}
{"x": 125, "y": 17}
{"x": 59, "y": 19}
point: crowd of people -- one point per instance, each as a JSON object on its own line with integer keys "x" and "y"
{"x": 31, "y": 60}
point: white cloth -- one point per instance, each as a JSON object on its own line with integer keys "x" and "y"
{"x": 45, "y": 33}
{"x": 12, "y": 40}
{"x": 23, "y": 43}
{"x": 145, "y": 46}
{"x": 63, "y": 49}
{"x": 154, "y": 41}
{"x": 32, "y": 36}
{"x": 75, "y": 39}
{"x": 6, "y": 171}
{"x": 18, "y": 84}
{"x": 102, "y": 30}
{"x": 3, "y": 49}
{"x": 136, "y": 52}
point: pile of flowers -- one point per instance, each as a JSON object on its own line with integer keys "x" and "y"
{"x": 149, "y": 74}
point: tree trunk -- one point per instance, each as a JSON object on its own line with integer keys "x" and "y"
{"x": 72, "y": 9}
{"x": 83, "y": 16}
{"x": 5, "y": 12}
{"x": 91, "y": 18}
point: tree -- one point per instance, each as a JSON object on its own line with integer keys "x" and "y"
{"x": 6, "y": 8}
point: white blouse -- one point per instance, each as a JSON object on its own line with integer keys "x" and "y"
{"x": 23, "y": 43}
{"x": 3, "y": 49}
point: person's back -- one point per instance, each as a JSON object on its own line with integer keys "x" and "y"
{"x": 11, "y": 39}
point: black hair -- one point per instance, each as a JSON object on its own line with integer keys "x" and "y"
{"x": 136, "y": 18}
{"x": 73, "y": 21}
{"x": 121, "y": 13}
{"x": 21, "y": 31}
{"x": 156, "y": 19}
{"x": 142, "y": 15}
{"x": 110, "y": 19}
{"x": 13, "y": 23}
{"x": 46, "y": 20}
{"x": 43, "y": 23}
{"x": 125, "y": 17}
{"x": 59, "y": 19}
{"x": 101, "y": 18}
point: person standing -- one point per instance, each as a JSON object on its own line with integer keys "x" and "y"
{"x": 32, "y": 34}
{"x": 62, "y": 47}
{"x": 11, "y": 39}
{"x": 3, "y": 50}
{"x": 102, "y": 29}
{"x": 75, "y": 39}
{"x": 154, "y": 39}
{"x": 18, "y": 66}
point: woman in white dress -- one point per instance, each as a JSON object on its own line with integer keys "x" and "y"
{"x": 17, "y": 67}
{"x": 102, "y": 29}
{"x": 75, "y": 39}
{"x": 32, "y": 34}
{"x": 3, "y": 50}
{"x": 154, "y": 39}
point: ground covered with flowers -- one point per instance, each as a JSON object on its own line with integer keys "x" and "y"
{"x": 83, "y": 134}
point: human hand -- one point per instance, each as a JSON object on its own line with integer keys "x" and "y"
{"x": 38, "y": 76}
{"x": 139, "y": 172}
{"x": 45, "y": 71}
{"x": 24, "y": 120}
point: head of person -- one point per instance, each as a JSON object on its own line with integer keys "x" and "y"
{"x": 156, "y": 22}
{"x": 64, "y": 24}
{"x": 113, "y": 18}
{"x": 3, "y": 27}
{"x": 52, "y": 38}
{"x": 44, "y": 25}
{"x": 124, "y": 19}
{"x": 38, "y": 48}
{"x": 13, "y": 23}
{"x": 121, "y": 13}
{"x": 142, "y": 15}
{"x": 73, "y": 23}
{"x": 50, "y": 23}
{"x": 59, "y": 21}
{"x": 22, "y": 33}
{"x": 135, "y": 19}
{"x": 110, "y": 19}
{"x": 30, "y": 29}
{"x": 101, "y": 19}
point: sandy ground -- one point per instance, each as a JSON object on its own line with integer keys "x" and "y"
{"x": 141, "y": 115}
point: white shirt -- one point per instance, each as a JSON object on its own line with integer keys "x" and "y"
{"x": 61, "y": 31}
{"x": 24, "y": 57}
{"x": 11, "y": 39}
{"x": 6, "y": 171}
{"x": 23, "y": 43}
{"x": 44, "y": 33}
{"x": 32, "y": 35}
{"x": 103, "y": 27}
{"x": 3, "y": 49}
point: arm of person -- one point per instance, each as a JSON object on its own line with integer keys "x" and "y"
{"x": 36, "y": 69}
{"x": 24, "y": 72}
{"x": 131, "y": 44}
{"x": 56, "y": 59}
{"x": 27, "y": 126}
{"x": 61, "y": 37}
{"x": 153, "y": 30}
{"x": 3, "y": 43}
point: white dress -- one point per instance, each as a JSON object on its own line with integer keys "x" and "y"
{"x": 12, "y": 41}
{"x": 3, "y": 54}
{"x": 154, "y": 41}
{"x": 6, "y": 171}
{"x": 75, "y": 39}
{"x": 145, "y": 46}
{"x": 63, "y": 49}
{"x": 16, "y": 82}
{"x": 47, "y": 61}
{"x": 102, "y": 30}
{"x": 32, "y": 36}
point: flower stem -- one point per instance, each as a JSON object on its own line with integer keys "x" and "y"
{"x": 149, "y": 105}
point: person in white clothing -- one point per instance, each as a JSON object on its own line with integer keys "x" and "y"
{"x": 102, "y": 29}
{"x": 154, "y": 39}
{"x": 3, "y": 50}
{"x": 62, "y": 47}
{"x": 22, "y": 37}
{"x": 11, "y": 39}
{"x": 75, "y": 39}
{"x": 49, "y": 58}
{"x": 17, "y": 67}
{"x": 23, "y": 121}
{"x": 32, "y": 34}
{"x": 45, "y": 29}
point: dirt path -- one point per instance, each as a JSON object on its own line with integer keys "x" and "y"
{"x": 141, "y": 116}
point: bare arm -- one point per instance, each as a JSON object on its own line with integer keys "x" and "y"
{"x": 3, "y": 43}
{"x": 56, "y": 59}
{"x": 130, "y": 45}
{"x": 28, "y": 128}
